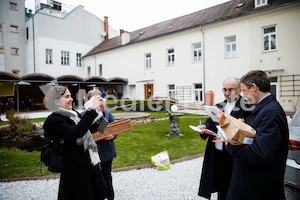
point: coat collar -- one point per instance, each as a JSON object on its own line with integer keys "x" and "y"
{"x": 263, "y": 103}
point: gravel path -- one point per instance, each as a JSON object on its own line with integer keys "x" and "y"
{"x": 181, "y": 181}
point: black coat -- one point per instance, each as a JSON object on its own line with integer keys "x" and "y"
{"x": 258, "y": 169}
{"x": 217, "y": 165}
{"x": 79, "y": 179}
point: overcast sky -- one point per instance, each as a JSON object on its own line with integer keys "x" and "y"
{"x": 131, "y": 15}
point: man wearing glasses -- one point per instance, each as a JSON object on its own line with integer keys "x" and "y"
{"x": 217, "y": 163}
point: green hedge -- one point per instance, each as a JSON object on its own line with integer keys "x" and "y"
{"x": 139, "y": 105}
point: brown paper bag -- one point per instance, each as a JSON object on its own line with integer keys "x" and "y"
{"x": 236, "y": 131}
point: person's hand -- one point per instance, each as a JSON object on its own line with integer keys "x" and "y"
{"x": 109, "y": 137}
{"x": 97, "y": 102}
{"x": 201, "y": 127}
{"x": 220, "y": 139}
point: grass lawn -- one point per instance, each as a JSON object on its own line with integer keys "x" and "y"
{"x": 133, "y": 147}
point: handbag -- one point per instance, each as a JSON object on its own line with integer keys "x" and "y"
{"x": 51, "y": 155}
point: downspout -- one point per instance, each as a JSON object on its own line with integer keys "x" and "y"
{"x": 203, "y": 53}
{"x": 95, "y": 66}
{"x": 34, "y": 71}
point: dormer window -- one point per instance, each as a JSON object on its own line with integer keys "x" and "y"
{"x": 259, "y": 3}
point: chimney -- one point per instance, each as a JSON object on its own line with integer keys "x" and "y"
{"x": 106, "y": 27}
{"x": 125, "y": 37}
{"x": 121, "y": 31}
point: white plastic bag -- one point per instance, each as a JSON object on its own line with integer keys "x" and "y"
{"x": 161, "y": 160}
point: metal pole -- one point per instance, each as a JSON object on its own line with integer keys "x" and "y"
{"x": 203, "y": 54}
{"x": 18, "y": 101}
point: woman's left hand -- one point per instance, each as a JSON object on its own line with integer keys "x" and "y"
{"x": 109, "y": 137}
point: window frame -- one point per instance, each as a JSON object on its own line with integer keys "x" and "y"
{"x": 198, "y": 91}
{"x": 14, "y": 28}
{"x": 88, "y": 71}
{"x": 16, "y": 51}
{"x": 13, "y": 6}
{"x": 269, "y": 36}
{"x": 171, "y": 91}
{"x": 148, "y": 61}
{"x": 196, "y": 50}
{"x": 100, "y": 69}
{"x": 48, "y": 56}
{"x": 79, "y": 59}
{"x": 1, "y": 49}
{"x": 65, "y": 58}
{"x": 231, "y": 54}
{"x": 172, "y": 56}
{"x": 259, "y": 3}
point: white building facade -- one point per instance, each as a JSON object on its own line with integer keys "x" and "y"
{"x": 185, "y": 63}
{"x": 57, "y": 40}
{"x": 12, "y": 36}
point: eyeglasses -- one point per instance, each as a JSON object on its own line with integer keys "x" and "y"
{"x": 230, "y": 89}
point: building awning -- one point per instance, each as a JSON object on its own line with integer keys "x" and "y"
{"x": 273, "y": 70}
{"x": 69, "y": 79}
{"x": 9, "y": 77}
{"x": 65, "y": 79}
{"x": 37, "y": 78}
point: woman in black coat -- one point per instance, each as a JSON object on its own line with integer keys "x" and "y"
{"x": 80, "y": 177}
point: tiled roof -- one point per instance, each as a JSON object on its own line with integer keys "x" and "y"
{"x": 225, "y": 11}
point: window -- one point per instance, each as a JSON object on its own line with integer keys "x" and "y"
{"x": 171, "y": 57}
{"x": 14, "y": 51}
{"x": 1, "y": 49}
{"x": 269, "y": 38}
{"x": 259, "y": 3}
{"x": 230, "y": 47}
{"x": 88, "y": 71}
{"x": 171, "y": 91}
{"x": 27, "y": 33}
{"x": 48, "y": 56}
{"x": 100, "y": 70}
{"x": 12, "y": 6}
{"x": 198, "y": 93}
{"x": 65, "y": 58}
{"x": 197, "y": 54}
{"x": 148, "y": 61}
{"x": 13, "y": 28}
{"x": 274, "y": 86}
{"x": 78, "y": 59}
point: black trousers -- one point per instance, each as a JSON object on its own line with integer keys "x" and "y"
{"x": 106, "y": 171}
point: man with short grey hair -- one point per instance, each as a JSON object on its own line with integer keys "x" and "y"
{"x": 217, "y": 163}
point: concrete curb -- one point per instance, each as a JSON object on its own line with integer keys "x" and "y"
{"x": 137, "y": 167}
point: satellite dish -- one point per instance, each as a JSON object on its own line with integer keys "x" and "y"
{"x": 174, "y": 108}
{"x": 103, "y": 33}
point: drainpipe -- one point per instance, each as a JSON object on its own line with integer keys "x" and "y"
{"x": 95, "y": 66}
{"x": 33, "y": 42}
{"x": 203, "y": 53}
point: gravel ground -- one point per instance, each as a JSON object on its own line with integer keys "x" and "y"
{"x": 181, "y": 181}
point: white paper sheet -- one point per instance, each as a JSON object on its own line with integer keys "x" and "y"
{"x": 212, "y": 111}
{"x": 222, "y": 132}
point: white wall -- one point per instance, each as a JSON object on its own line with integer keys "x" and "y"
{"x": 8, "y": 17}
{"x": 128, "y": 62}
{"x": 78, "y": 32}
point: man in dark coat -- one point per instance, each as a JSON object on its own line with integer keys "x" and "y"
{"x": 258, "y": 169}
{"x": 217, "y": 164}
